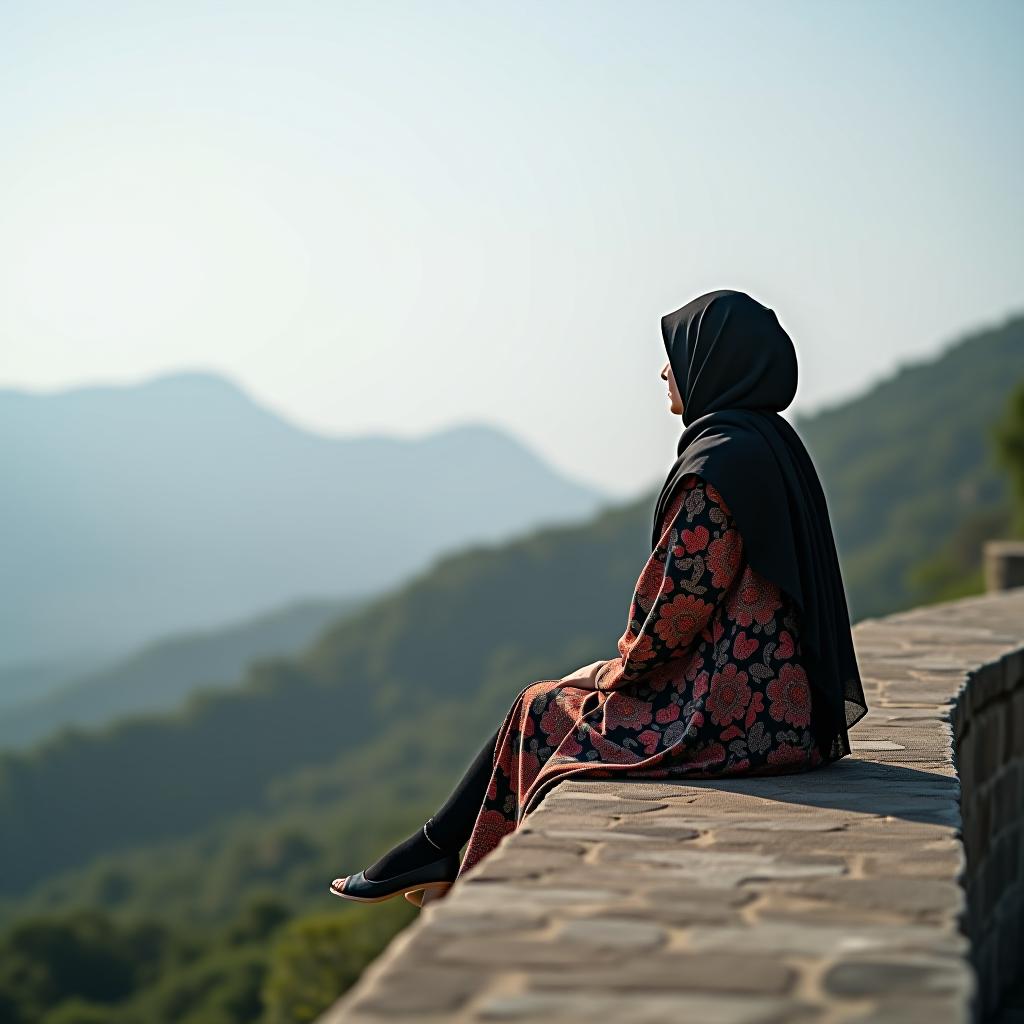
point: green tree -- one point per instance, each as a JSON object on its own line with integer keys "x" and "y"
{"x": 78, "y": 1011}
{"x": 319, "y": 956}
{"x": 223, "y": 987}
{"x": 81, "y": 954}
{"x": 1008, "y": 435}
{"x": 955, "y": 568}
{"x": 259, "y": 919}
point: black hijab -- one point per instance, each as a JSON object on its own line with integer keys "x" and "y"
{"x": 735, "y": 368}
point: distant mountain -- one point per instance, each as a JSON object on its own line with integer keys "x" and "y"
{"x": 24, "y": 681}
{"x": 398, "y": 694}
{"x": 133, "y": 511}
{"x": 161, "y": 675}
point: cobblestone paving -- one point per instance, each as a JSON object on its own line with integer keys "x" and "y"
{"x": 836, "y": 895}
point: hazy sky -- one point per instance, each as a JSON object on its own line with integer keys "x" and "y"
{"x": 393, "y": 217}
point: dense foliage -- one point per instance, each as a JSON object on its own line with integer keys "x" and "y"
{"x": 88, "y": 967}
{"x": 161, "y": 675}
{"x": 910, "y": 467}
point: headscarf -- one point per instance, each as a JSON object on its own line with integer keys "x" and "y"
{"x": 735, "y": 368}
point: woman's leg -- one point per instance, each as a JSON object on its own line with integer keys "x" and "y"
{"x": 448, "y": 829}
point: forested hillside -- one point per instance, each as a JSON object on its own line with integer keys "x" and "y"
{"x": 908, "y": 463}
{"x": 471, "y": 620}
{"x": 161, "y": 675}
{"x": 314, "y": 763}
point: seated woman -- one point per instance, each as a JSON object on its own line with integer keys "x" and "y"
{"x": 737, "y": 658}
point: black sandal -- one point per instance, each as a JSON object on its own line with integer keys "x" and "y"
{"x": 438, "y": 874}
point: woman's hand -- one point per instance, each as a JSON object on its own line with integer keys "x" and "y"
{"x": 584, "y": 678}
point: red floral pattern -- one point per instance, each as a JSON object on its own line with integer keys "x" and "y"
{"x": 709, "y": 681}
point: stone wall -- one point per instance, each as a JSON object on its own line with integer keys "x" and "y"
{"x": 883, "y": 888}
{"x": 988, "y": 728}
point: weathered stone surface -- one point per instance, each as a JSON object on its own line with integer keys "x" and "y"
{"x": 698, "y": 972}
{"x": 907, "y": 896}
{"x": 631, "y": 833}
{"x": 412, "y": 990}
{"x": 509, "y": 921}
{"x": 539, "y": 956}
{"x": 813, "y": 936}
{"x": 611, "y": 933}
{"x": 886, "y": 888}
{"x": 903, "y": 976}
{"x": 721, "y": 868}
{"x": 654, "y": 1008}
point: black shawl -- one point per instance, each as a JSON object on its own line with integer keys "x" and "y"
{"x": 735, "y": 367}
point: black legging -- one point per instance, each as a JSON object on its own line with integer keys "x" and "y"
{"x": 451, "y": 825}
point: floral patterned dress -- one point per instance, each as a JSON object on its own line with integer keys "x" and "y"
{"x": 709, "y": 681}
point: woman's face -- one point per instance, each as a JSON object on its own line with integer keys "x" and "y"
{"x": 673, "y": 392}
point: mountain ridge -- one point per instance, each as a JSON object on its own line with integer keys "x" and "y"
{"x": 133, "y": 511}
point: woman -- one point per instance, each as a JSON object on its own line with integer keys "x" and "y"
{"x": 737, "y": 657}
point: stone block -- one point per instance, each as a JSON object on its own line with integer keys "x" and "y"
{"x": 654, "y": 1008}
{"x": 903, "y": 975}
{"x": 678, "y": 972}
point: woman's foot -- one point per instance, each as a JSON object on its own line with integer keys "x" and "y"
{"x": 437, "y": 875}
{"x": 416, "y": 865}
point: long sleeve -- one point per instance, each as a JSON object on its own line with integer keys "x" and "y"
{"x": 687, "y": 576}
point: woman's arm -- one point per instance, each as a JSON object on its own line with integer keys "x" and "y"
{"x": 696, "y": 561}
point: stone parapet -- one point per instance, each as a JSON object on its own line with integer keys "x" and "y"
{"x": 1003, "y": 564}
{"x": 884, "y": 888}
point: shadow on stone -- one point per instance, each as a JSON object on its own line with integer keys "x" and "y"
{"x": 858, "y": 786}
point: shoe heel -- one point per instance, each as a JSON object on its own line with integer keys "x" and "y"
{"x": 415, "y": 896}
